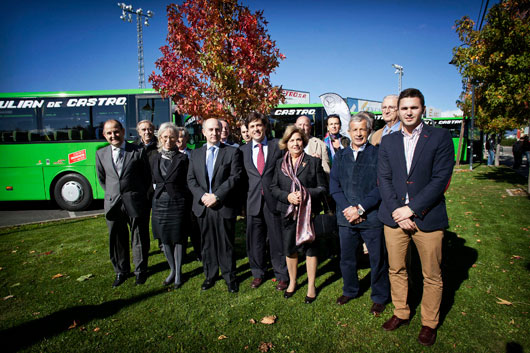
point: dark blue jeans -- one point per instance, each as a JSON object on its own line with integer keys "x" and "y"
{"x": 375, "y": 242}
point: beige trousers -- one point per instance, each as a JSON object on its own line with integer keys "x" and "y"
{"x": 429, "y": 245}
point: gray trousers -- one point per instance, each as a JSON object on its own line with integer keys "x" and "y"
{"x": 119, "y": 227}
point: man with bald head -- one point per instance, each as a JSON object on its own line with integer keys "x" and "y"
{"x": 213, "y": 176}
{"x": 123, "y": 172}
{"x": 390, "y": 116}
{"x": 315, "y": 147}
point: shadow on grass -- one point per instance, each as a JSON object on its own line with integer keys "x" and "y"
{"x": 502, "y": 175}
{"x": 32, "y": 332}
{"x": 456, "y": 262}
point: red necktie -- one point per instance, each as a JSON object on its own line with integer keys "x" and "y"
{"x": 261, "y": 159}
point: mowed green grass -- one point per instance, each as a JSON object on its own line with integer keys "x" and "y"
{"x": 486, "y": 257}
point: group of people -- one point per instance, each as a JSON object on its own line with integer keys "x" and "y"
{"x": 387, "y": 186}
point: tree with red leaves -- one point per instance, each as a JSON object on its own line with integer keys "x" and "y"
{"x": 218, "y": 60}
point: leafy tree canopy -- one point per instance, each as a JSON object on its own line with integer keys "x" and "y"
{"x": 496, "y": 60}
{"x": 218, "y": 60}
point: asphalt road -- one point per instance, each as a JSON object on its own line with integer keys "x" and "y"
{"x": 26, "y": 212}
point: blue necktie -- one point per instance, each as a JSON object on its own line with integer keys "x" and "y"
{"x": 209, "y": 166}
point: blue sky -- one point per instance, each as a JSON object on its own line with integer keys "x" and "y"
{"x": 346, "y": 47}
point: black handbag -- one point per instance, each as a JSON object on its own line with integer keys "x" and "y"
{"x": 325, "y": 223}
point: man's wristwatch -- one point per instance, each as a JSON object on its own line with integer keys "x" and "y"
{"x": 360, "y": 211}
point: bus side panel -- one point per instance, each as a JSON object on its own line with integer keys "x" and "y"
{"x": 23, "y": 183}
{"x": 49, "y": 159}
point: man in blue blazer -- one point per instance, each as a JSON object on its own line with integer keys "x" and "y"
{"x": 213, "y": 175}
{"x": 353, "y": 185}
{"x": 263, "y": 219}
{"x": 414, "y": 170}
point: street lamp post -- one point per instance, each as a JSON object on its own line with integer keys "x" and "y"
{"x": 126, "y": 11}
{"x": 399, "y": 71}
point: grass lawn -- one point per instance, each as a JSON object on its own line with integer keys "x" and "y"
{"x": 44, "y": 307}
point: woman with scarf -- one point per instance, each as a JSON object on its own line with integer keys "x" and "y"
{"x": 169, "y": 169}
{"x": 299, "y": 183}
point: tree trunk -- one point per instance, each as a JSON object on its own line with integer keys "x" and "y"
{"x": 497, "y": 151}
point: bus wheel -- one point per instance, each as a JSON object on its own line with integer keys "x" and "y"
{"x": 72, "y": 192}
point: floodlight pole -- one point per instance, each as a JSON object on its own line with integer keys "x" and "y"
{"x": 399, "y": 71}
{"x": 126, "y": 11}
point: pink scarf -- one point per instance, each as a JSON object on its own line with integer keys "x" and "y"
{"x": 305, "y": 233}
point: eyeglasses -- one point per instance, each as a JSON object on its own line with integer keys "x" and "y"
{"x": 389, "y": 108}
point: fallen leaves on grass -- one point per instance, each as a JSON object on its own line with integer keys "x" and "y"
{"x": 269, "y": 320}
{"x": 96, "y": 329}
{"x": 252, "y": 321}
{"x": 46, "y": 253}
{"x": 9, "y": 297}
{"x": 85, "y": 277}
{"x": 222, "y": 337}
{"x": 59, "y": 275}
{"x": 516, "y": 257}
{"x": 503, "y": 302}
{"x": 73, "y": 325}
{"x": 265, "y": 346}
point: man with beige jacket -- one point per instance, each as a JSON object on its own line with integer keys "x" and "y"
{"x": 315, "y": 147}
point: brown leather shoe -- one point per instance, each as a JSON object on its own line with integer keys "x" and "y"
{"x": 427, "y": 336}
{"x": 394, "y": 323}
{"x": 282, "y": 285}
{"x": 377, "y": 309}
{"x": 343, "y": 299}
{"x": 256, "y": 282}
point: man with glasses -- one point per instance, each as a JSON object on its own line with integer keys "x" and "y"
{"x": 390, "y": 116}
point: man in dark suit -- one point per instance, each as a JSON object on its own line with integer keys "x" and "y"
{"x": 353, "y": 185}
{"x": 263, "y": 219}
{"x": 213, "y": 175}
{"x": 412, "y": 185}
{"x": 123, "y": 172}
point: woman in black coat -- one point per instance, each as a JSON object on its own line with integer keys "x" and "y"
{"x": 299, "y": 183}
{"x": 169, "y": 169}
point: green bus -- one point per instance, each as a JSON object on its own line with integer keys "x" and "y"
{"x": 454, "y": 125}
{"x": 286, "y": 114}
{"x": 48, "y": 140}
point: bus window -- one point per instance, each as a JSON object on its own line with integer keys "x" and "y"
{"x": 100, "y": 114}
{"x": 18, "y": 125}
{"x": 65, "y": 123}
{"x": 155, "y": 110}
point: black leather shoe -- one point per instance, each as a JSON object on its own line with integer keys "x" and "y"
{"x": 377, "y": 309}
{"x": 120, "y": 278}
{"x": 288, "y": 295}
{"x": 141, "y": 278}
{"x": 233, "y": 287}
{"x": 427, "y": 336}
{"x": 207, "y": 284}
{"x": 309, "y": 300}
{"x": 343, "y": 299}
{"x": 394, "y": 323}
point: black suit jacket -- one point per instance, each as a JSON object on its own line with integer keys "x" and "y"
{"x": 425, "y": 183}
{"x": 175, "y": 182}
{"x": 130, "y": 186}
{"x": 311, "y": 176}
{"x": 226, "y": 176}
{"x": 257, "y": 182}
